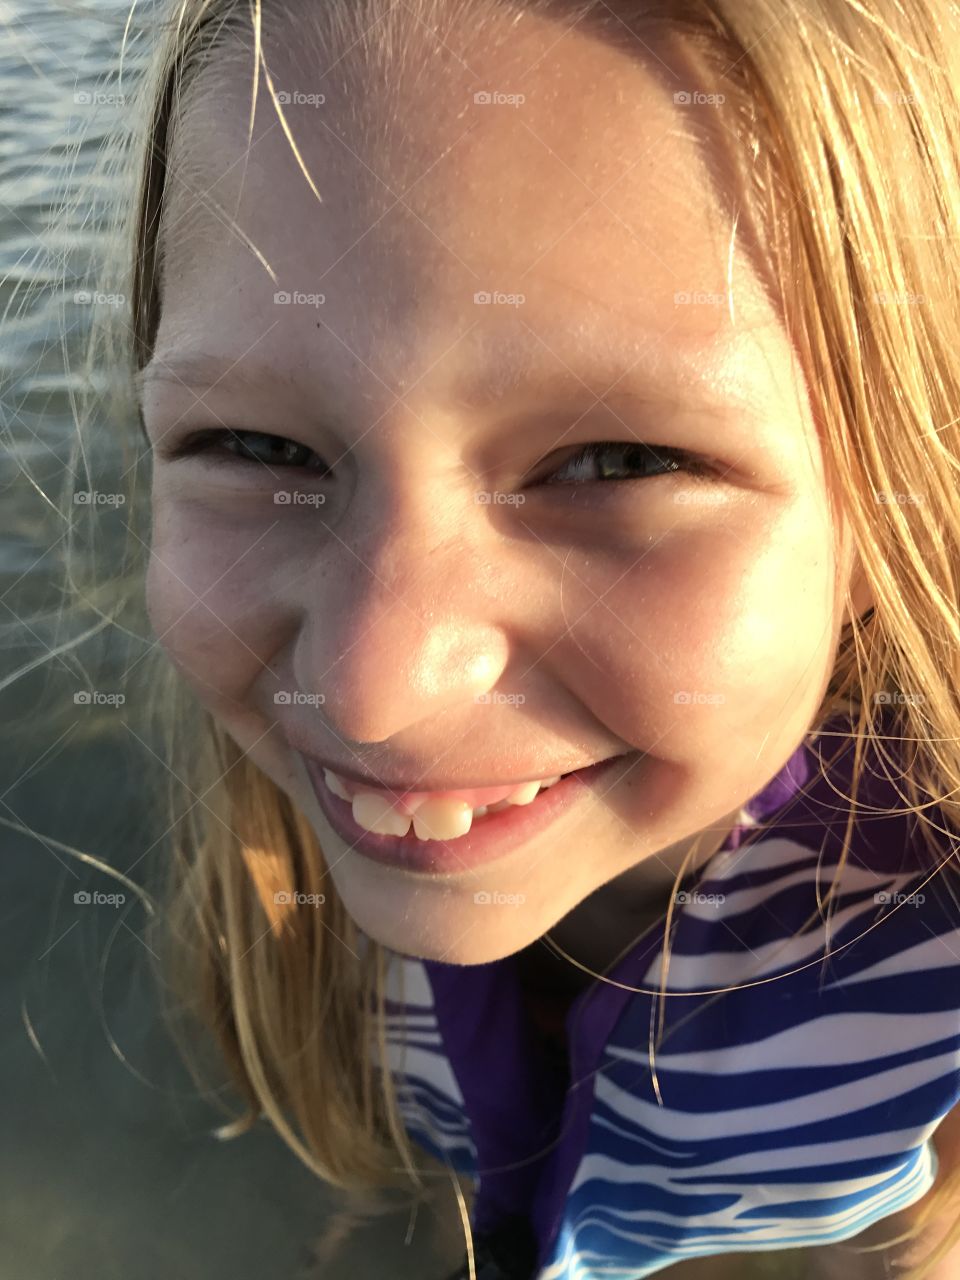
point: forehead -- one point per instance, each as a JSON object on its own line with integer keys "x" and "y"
{"x": 524, "y": 158}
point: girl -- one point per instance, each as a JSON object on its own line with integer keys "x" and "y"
{"x": 552, "y": 423}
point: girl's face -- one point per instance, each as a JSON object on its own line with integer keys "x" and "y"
{"x": 689, "y": 622}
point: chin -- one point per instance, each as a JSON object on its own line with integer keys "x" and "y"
{"x": 461, "y": 953}
{"x": 433, "y": 921}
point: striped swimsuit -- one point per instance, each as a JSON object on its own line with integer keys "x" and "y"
{"x": 790, "y": 1113}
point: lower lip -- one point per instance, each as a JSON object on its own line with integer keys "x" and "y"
{"x": 490, "y": 837}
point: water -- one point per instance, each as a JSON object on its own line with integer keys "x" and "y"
{"x": 107, "y": 1168}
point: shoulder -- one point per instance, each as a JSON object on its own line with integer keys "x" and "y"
{"x": 839, "y": 1263}
{"x": 946, "y": 1141}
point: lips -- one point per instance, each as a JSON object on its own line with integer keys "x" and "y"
{"x": 408, "y": 802}
{"x": 494, "y": 836}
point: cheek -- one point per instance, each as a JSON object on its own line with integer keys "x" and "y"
{"x": 209, "y": 592}
{"x": 721, "y": 630}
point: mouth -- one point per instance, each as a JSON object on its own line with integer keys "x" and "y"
{"x": 425, "y": 836}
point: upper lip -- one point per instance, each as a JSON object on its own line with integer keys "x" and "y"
{"x": 367, "y": 779}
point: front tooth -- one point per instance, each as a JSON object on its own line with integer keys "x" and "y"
{"x": 442, "y": 819}
{"x": 525, "y": 794}
{"x": 335, "y": 785}
{"x": 377, "y": 813}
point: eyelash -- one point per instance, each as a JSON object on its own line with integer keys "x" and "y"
{"x": 202, "y": 442}
{"x": 674, "y": 460}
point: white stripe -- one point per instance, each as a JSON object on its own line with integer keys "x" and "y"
{"x": 936, "y": 952}
{"x": 788, "y": 1113}
{"x": 835, "y": 1039}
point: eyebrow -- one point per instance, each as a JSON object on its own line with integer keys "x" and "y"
{"x": 507, "y": 370}
{"x": 202, "y": 372}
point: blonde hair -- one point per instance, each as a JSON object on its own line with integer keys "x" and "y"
{"x": 846, "y": 135}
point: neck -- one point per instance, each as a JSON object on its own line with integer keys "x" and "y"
{"x": 604, "y": 925}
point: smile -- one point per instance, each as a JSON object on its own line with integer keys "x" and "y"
{"x": 517, "y": 814}
{"x": 433, "y": 815}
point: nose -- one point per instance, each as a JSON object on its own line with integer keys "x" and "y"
{"x": 404, "y": 623}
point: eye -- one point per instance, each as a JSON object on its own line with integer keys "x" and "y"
{"x": 599, "y": 461}
{"x": 628, "y": 460}
{"x": 250, "y": 447}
